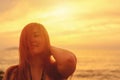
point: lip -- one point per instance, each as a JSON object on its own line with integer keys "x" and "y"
{"x": 35, "y": 44}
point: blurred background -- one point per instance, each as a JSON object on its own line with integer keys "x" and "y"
{"x": 88, "y": 28}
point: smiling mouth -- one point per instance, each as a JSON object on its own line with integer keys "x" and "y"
{"x": 35, "y": 45}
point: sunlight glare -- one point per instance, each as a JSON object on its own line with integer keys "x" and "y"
{"x": 57, "y": 12}
{"x": 60, "y": 11}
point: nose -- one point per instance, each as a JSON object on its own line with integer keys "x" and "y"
{"x": 35, "y": 41}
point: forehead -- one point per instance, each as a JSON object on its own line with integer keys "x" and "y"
{"x": 34, "y": 29}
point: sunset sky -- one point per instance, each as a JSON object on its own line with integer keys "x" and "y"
{"x": 71, "y": 24}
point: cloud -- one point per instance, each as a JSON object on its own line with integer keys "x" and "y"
{"x": 24, "y": 8}
{"x": 11, "y": 48}
{"x": 9, "y": 32}
{"x": 5, "y": 5}
{"x": 85, "y": 19}
{"x": 101, "y": 15}
{"x": 11, "y": 14}
{"x": 9, "y": 39}
{"x": 94, "y": 46}
{"x": 90, "y": 9}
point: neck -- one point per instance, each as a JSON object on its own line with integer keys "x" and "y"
{"x": 36, "y": 62}
{"x": 37, "y": 65}
{"x": 36, "y": 68}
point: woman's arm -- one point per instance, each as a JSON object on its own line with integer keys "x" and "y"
{"x": 65, "y": 60}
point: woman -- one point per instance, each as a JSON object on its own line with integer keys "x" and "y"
{"x": 38, "y": 59}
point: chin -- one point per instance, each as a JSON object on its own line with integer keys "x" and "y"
{"x": 36, "y": 52}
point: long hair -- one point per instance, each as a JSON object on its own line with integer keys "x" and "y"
{"x": 22, "y": 71}
{"x": 24, "y": 56}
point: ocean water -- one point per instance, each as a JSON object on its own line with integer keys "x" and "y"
{"x": 90, "y": 66}
{"x": 98, "y": 66}
{"x": 97, "y": 75}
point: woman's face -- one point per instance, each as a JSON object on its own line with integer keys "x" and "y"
{"x": 35, "y": 41}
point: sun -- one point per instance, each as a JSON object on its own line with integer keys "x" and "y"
{"x": 60, "y": 11}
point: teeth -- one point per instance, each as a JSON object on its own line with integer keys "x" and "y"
{"x": 36, "y": 45}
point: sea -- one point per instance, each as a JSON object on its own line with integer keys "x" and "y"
{"x": 91, "y": 64}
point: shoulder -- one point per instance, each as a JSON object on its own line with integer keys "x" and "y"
{"x": 10, "y": 71}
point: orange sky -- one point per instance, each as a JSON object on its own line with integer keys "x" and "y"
{"x": 72, "y": 24}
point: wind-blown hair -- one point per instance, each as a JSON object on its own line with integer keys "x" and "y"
{"x": 22, "y": 70}
{"x": 25, "y": 56}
